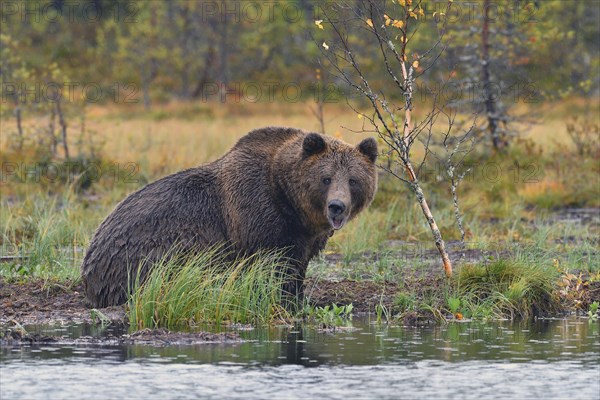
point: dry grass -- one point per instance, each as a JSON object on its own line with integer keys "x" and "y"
{"x": 163, "y": 142}
{"x": 536, "y": 192}
{"x": 202, "y": 131}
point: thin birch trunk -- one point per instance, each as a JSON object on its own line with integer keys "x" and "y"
{"x": 437, "y": 236}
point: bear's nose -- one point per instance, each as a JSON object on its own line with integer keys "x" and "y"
{"x": 336, "y": 207}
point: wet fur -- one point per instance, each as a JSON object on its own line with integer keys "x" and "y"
{"x": 265, "y": 193}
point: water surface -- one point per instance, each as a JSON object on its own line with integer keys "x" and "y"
{"x": 542, "y": 359}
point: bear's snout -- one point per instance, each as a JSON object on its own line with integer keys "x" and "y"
{"x": 336, "y": 207}
{"x": 336, "y": 215}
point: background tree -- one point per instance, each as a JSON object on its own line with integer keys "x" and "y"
{"x": 173, "y": 50}
{"x": 489, "y": 51}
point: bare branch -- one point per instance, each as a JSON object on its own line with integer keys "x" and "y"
{"x": 398, "y": 138}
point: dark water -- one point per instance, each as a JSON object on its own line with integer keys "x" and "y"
{"x": 540, "y": 360}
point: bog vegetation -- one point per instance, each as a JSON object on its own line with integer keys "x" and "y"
{"x": 180, "y": 82}
{"x": 207, "y": 287}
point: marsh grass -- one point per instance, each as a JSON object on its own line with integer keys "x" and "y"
{"x": 44, "y": 237}
{"x": 509, "y": 288}
{"x": 207, "y": 287}
{"x": 504, "y": 288}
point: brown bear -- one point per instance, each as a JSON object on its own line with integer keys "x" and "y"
{"x": 277, "y": 188}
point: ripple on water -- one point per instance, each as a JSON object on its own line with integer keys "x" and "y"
{"x": 469, "y": 360}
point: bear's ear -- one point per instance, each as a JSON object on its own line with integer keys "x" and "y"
{"x": 313, "y": 144}
{"x": 368, "y": 147}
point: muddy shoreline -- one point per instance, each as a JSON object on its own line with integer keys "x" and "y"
{"x": 36, "y": 302}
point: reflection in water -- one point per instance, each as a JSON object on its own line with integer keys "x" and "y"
{"x": 547, "y": 358}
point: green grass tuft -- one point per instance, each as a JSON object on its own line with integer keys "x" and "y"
{"x": 208, "y": 288}
{"x": 504, "y": 288}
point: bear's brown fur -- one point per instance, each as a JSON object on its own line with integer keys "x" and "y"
{"x": 277, "y": 188}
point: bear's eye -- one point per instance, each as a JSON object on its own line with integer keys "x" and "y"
{"x": 352, "y": 182}
{"x": 326, "y": 181}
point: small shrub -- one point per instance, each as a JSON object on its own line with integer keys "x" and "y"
{"x": 585, "y": 135}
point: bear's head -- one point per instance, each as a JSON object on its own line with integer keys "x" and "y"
{"x": 337, "y": 180}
